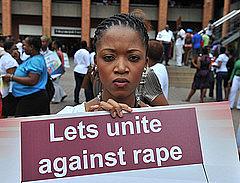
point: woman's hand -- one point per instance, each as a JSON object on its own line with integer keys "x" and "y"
{"x": 115, "y": 109}
{"x": 7, "y": 77}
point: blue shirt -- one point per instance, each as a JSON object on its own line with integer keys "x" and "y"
{"x": 196, "y": 41}
{"x": 35, "y": 65}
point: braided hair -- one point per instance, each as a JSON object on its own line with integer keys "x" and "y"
{"x": 126, "y": 20}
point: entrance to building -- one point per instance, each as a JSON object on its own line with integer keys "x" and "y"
{"x": 70, "y": 45}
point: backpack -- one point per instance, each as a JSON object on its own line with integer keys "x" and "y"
{"x": 50, "y": 88}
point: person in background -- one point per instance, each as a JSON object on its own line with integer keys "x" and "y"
{"x": 201, "y": 77}
{"x": 210, "y": 29}
{"x": 45, "y": 41}
{"x": 230, "y": 66}
{"x": 155, "y": 54}
{"x": 59, "y": 94}
{"x": 65, "y": 56}
{"x": 222, "y": 74}
{"x": 121, "y": 43}
{"x": 179, "y": 45}
{"x": 167, "y": 38}
{"x": 29, "y": 81}
{"x": 196, "y": 49}
{"x": 234, "y": 81}
{"x": 187, "y": 46}
{"x": 8, "y": 65}
{"x": 82, "y": 61}
{"x": 206, "y": 39}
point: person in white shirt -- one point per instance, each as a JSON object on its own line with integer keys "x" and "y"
{"x": 155, "y": 55}
{"x": 82, "y": 59}
{"x": 166, "y": 36}
{"x": 222, "y": 73}
{"x": 7, "y": 65}
{"x": 179, "y": 45}
{"x": 45, "y": 40}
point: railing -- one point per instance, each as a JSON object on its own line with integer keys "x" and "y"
{"x": 233, "y": 22}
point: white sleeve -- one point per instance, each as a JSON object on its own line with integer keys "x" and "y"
{"x": 159, "y": 36}
{"x": 10, "y": 63}
{"x": 75, "y": 58}
{"x": 72, "y": 110}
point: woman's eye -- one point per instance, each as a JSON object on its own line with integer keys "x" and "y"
{"x": 133, "y": 58}
{"x": 108, "y": 58}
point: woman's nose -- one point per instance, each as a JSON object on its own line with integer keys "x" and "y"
{"x": 121, "y": 66}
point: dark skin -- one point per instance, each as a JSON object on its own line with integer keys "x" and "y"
{"x": 32, "y": 78}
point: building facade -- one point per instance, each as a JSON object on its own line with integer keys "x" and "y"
{"x": 71, "y": 20}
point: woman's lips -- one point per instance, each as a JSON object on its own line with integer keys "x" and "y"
{"x": 120, "y": 82}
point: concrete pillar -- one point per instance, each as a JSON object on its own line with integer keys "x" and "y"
{"x": 86, "y": 18}
{"x": 46, "y": 17}
{"x": 208, "y": 9}
{"x": 226, "y": 10}
{"x": 6, "y": 17}
{"x": 162, "y": 14}
{"x": 124, "y": 8}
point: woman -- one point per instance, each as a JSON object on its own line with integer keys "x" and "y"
{"x": 82, "y": 61}
{"x": 8, "y": 65}
{"x": 155, "y": 55}
{"x": 29, "y": 83}
{"x": 59, "y": 94}
{"x": 235, "y": 81}
{"x": 202, "y": 76}
{"x": 222, "y": 74}
{"x": 121, "y": 45}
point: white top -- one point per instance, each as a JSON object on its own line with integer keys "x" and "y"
{"x": 45, "y": 52}
{"x": 224, "y": 59}
{"x": 92, "y": 58}
{"x": 164, "y": 35}
{"x": 180, "y": 37}
{"x": 6, "y": 62}
{"x": 209, "y": 30}
{"x": 82, "y": 59}
{"x": 73, "y": 109}
{"x": 66, "y": 60}
{"x": 162, "y": 74}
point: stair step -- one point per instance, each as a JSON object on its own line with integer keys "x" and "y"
{"x": 181, "y": 77}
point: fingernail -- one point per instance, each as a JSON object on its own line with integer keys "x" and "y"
{"x": 120, "y": 114}
{"x": 113, "y": 114}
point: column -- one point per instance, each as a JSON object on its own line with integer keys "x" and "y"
{"x": 162, "y": 14}
{"x": 46, "y": 17}
{"x": 124, "y": 8}
{"x": 6, "y": 17}
{"x": 226, "y": 10}
{"x": 208, "y": 9}
{"x": 86, "y": 18}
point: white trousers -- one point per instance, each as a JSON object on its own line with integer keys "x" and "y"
{"x": 179, "y": 52}
{"x": 59, "y": 92}
{"x": 234, "y": 91}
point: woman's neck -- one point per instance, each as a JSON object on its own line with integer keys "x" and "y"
{"x": 130, "y": 100}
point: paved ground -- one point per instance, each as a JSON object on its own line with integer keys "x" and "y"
{"x": 176, "y": 95}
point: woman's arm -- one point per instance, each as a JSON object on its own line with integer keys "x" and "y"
{"x": 160, "y": 100}
{"x": 11, "y": 70}
{"x": 31, "y": 80}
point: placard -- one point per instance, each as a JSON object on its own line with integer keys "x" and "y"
{"x": 214, "y": 159}
{"x": 79, "y": 146}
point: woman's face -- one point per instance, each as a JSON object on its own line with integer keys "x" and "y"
{"x": 120, "y": 58}
{"x": 27, "y": 47}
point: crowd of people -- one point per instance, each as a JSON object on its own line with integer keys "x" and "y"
{"x": 26, "y": 71}
{"x": 123, "y": 69}
{"x": 213, "y": 62}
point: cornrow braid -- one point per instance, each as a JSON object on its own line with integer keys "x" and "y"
{"x": 127, "y": 20}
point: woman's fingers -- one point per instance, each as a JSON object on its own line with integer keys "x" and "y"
{"x": 115, "y": 109}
